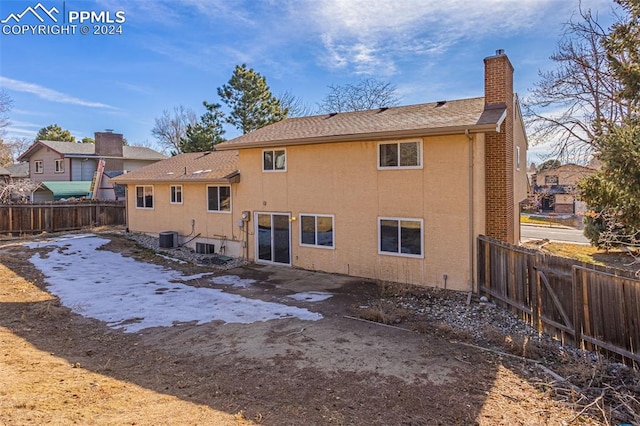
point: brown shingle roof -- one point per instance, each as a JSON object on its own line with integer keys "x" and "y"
{"x": 191, "y": 167}
{"x": 405, "y": 121}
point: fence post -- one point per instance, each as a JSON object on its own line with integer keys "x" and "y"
{"x": 578, "y": 310}
{"x": 10, "y": 219}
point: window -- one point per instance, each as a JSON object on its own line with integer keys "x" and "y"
{"x": 144, "y": 197}
{"x": 401, "y": 237}
{"x": 517, "y": 158}
{"x": 316, "y": 230}
{"x": 551, "y": 180}
{"x": 38, "y": 166}
{"x": 176, "y": 194}
{"x": 274, "y": 160}
{"x": 219, "y": 198}
{"x": 399, "y": 155}
{"x": 60, "y": 166}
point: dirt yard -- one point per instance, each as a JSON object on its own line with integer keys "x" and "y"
{"x": 59, "y": 367}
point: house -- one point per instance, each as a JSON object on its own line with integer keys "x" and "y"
{"x": 5, "y": 175}
{"x": 398, "y": 194}
{"x": 554, "y": 188}
{"x": 56, "y": 164}
{"x": 18, "y": 171}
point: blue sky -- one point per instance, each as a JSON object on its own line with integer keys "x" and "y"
{"x": 178, "y": 52}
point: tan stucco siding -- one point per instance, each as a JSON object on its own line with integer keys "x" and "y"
{"x": 211, "y": 227}
{"x": 343, "y": 180}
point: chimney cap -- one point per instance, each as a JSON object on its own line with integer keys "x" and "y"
{"x": 499, "y": 52}
{"x": 108, "y": 130}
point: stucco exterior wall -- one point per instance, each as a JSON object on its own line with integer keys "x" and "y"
{"x": 343, "y": 180}
{"x": 208, "y": 227}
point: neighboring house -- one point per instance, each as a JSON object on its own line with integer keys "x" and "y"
{"x": 398, "y": 194}
{"x": 555, "y": 188}
{"x": 5, "y": 175}
{"x": 54, "y": 161}
{"x": 18, "y": 171}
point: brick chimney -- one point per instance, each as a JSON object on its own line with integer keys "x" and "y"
{"x": 108, "y": 146}
{"x": 498, "y": 93}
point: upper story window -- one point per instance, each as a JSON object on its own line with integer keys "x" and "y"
{"x": 219, "y": 198}
{"x": 517, "y": 158}
{"x": 274, "y": 160}
{"x": 551, "y": 180}
{"x": 400, "y": 155}
{"x": 38, "y": 166}
{"x": 144, "y": 197}
{"x": 176, "y": 194}
{"x": 60, "y": 166}
{"x": 316, "y": 230}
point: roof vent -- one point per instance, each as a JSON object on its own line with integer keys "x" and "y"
{"x": 331, "y": 114}
{"x": 440, "y": 104}
{"x": 383, "y": 109}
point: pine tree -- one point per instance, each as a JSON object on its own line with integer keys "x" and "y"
{"x": 206, "y": 133}
{"x": 250, "y": 100}
{"x": 613, "y": 193}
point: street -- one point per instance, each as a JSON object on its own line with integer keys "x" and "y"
{"x": 564, "y": 235}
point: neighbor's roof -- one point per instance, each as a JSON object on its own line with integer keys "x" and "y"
{"x": 73, "y": 149}
{"x": 4, "y": 172}
{"x": 220, "y": 166}
{"x": 68, "y": 189}
{"x": 20, "y": 170}
{"x": 446, "y": 117}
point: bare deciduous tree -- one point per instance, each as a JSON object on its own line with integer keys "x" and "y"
{"x": 295, "y": 106}
{"x": 571, "y": 104}
{"x": 365, "y": 94}
{"x": 6, "y": 103}
{"x": 171, "y": 127}
{"x": 17, "y": 191}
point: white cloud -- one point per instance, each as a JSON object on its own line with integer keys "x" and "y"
{"x": 372, "y": 36}
{"x": 48, "y": 94}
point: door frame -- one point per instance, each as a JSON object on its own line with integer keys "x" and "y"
{"x": 257, "y": 238}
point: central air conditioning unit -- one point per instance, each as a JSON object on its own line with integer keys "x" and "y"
{"x": 204, "y": 248}
{"x": 168, "y": 239}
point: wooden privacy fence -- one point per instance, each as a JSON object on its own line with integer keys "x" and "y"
{"x": 18, "y": 219}
{"x": 586, "y": 304}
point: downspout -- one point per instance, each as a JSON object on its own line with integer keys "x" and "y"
{"x": 471, "y": 219}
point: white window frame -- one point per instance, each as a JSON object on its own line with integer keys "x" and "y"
{"x": 273, "y": 151}
{"x": 333, "y": 230}
{"x": 398, "y": 253}
{"x": 59, "y": 165}
{"x": 38, "y": 166}
{"x": 398, "y": 143}
{"x": 153, "y": 198}
{"x": 219, "y": 203}
{"x": 173, "y": 194}
{"x": 517, "y": 158}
